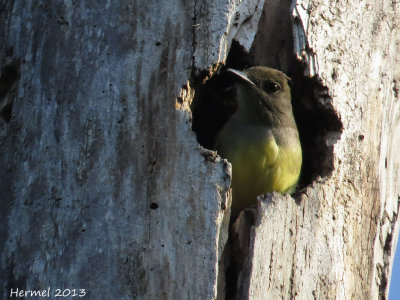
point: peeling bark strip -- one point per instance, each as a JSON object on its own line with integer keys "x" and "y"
{"x": 104, "y": 186}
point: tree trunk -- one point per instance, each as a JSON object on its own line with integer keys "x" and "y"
{"x": 105, "y": 188}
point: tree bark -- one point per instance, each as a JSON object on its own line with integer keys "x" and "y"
{"x": 338, "y": 240}
{"x": 104, "y": 186}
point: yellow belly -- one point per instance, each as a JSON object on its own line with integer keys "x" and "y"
{"x": 262, "y": 168}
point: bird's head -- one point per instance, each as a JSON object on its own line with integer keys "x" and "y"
{"x": 267, "y": 80}
{"x": 263, "y": 88}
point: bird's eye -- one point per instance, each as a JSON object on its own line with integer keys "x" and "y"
{"x": 270, "y": 87}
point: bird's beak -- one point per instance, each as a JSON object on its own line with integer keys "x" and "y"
{"x": 241, "y": 74}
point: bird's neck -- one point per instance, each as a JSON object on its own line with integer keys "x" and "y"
{"x": 247, "y": 111}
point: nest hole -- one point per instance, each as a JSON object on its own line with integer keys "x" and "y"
{"x": 316, "y": 118}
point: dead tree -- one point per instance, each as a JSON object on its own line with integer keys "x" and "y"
{"x": 108, "y": 185}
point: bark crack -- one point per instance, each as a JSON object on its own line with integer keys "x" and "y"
{"x": 194, "y": 26}
{"x": 271, "y": 259}
{"x": 292, "y": 273}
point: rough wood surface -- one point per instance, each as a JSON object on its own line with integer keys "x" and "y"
{"x": 357, "y": 49}
{"x": 338, "y": 240}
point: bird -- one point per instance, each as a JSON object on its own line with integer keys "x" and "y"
{"x": 260, "y": 139}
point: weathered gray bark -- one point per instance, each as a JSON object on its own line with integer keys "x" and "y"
{"x": 338, "y": 240}
{"x": 105, "y": 188}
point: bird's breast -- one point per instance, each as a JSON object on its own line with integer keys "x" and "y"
{"x": 259, "y": 162}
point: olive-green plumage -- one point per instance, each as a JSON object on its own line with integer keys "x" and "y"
{"x": 261, "y": 139}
